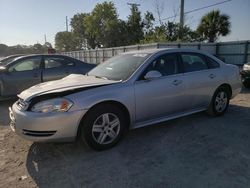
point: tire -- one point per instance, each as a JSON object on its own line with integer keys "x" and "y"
{"x": 246, "y": 84}
{"x": 103, "y": 126}
{"x": 220, "y": 101}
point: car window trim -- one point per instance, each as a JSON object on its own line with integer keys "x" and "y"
{"x": 162, "y": 77}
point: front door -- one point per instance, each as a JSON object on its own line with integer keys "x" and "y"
{"x": 22, "y": 75}
{"x": 162, "y": 96}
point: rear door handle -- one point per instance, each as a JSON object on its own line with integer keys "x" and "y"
{"x": 211, "y": 76}
{"x": 177, "y": 82}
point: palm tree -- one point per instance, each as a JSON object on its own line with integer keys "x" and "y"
{"x": 213, "y": 25}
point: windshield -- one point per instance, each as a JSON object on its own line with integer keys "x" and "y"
{"x": 120, "y": 67}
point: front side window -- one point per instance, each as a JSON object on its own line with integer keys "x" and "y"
{"x": 53, "y": 62}
{"x": 193, "y": 62}
{"x": 26, "y": 65}
{"x": 165, "y": 64}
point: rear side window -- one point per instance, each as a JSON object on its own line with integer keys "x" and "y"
{"x": 193, "y": 62}
{"x": 212, "y": 64}
{"x": 53, "y": 62}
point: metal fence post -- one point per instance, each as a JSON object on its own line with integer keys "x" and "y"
{"x": 90, "y": 58}
{"x": 103, "y": 58}
{"x": 246, "y": 52}
{"x": 199, "y": 46}
{"x": 217, "y": 49}
{"x": 96, "y": 57}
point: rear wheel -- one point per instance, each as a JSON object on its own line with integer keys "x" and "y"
{"x": 220, "y": 102}
{"x": 103, "y": 126}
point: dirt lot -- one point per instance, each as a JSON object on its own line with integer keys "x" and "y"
{"x": 194, "y": 151}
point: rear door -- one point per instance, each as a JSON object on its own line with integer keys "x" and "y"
{"x": 23, "y": 74}
{"x": 201, "y": 78}
{"x": 56, "y": 67}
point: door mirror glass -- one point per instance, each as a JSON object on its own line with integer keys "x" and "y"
{"x": 152, "y": 75}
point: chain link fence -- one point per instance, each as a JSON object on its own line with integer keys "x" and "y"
{"x": 235, "y": 52}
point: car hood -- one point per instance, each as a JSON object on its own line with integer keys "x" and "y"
{"x": 71, "y": 82}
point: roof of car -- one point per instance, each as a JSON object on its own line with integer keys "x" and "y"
{"x": 32, "y": 55}
{"x": 151, "y": 51}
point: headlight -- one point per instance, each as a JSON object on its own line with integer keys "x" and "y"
{"x": 246, "y": 67}
{"x": 52, "y": 105}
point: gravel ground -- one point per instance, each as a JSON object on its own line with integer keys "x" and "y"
{"x": 193, "y": 151}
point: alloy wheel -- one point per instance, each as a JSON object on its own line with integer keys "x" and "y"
{"x": 221, "y": 101}
{"x": 106, "y": 128}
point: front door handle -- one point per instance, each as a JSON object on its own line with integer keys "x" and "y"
{"x": 177, "y": 82}
{"x": 211, "y": 76}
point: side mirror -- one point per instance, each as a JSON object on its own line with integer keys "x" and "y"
{"x": 3, "y": 69}
{"x": 152, "y": 75}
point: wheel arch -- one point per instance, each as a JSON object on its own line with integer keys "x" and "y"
{"x": 111, "y": 102}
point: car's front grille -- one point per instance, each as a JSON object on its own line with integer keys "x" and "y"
{"x": 38, "y": 133}
{"x": 22, "y": 105}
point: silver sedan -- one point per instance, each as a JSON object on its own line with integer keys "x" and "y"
{"x": 128, "y": 91}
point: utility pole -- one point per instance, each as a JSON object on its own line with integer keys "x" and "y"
{"x": 181, "y": 19}
{"x": 133, "y": 5}
{"x": 45, "y": 39}
{"x": 67, "y": 27}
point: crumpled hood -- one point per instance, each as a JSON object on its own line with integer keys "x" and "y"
{"x": 73, "y": 81}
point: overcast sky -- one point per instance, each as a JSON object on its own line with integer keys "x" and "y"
{"x": 27, "y": 21}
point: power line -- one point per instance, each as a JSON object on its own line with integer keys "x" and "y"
{"x": 197, "y": 9}
{"x": 207, "y": 6}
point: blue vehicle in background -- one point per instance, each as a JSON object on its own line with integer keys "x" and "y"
{"x": 21, "y": 72}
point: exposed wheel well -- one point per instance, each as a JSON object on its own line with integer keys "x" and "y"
{"x": 228, "y": 87}
{"x": 115, "y": 103}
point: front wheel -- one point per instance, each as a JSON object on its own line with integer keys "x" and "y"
{"x": 103, "y": 126}
{"x": 220, "y": 102}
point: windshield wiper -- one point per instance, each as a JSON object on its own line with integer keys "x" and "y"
{"x": 102, "y": 77}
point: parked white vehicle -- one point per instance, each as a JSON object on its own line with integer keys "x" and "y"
{"x": 128, "y": 91}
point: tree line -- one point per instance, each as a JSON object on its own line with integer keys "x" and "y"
{"x": 103, "y": 28}
{"x": 24, "y": 49}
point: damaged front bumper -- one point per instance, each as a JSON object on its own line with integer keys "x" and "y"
{"x": 44, "y": 127}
